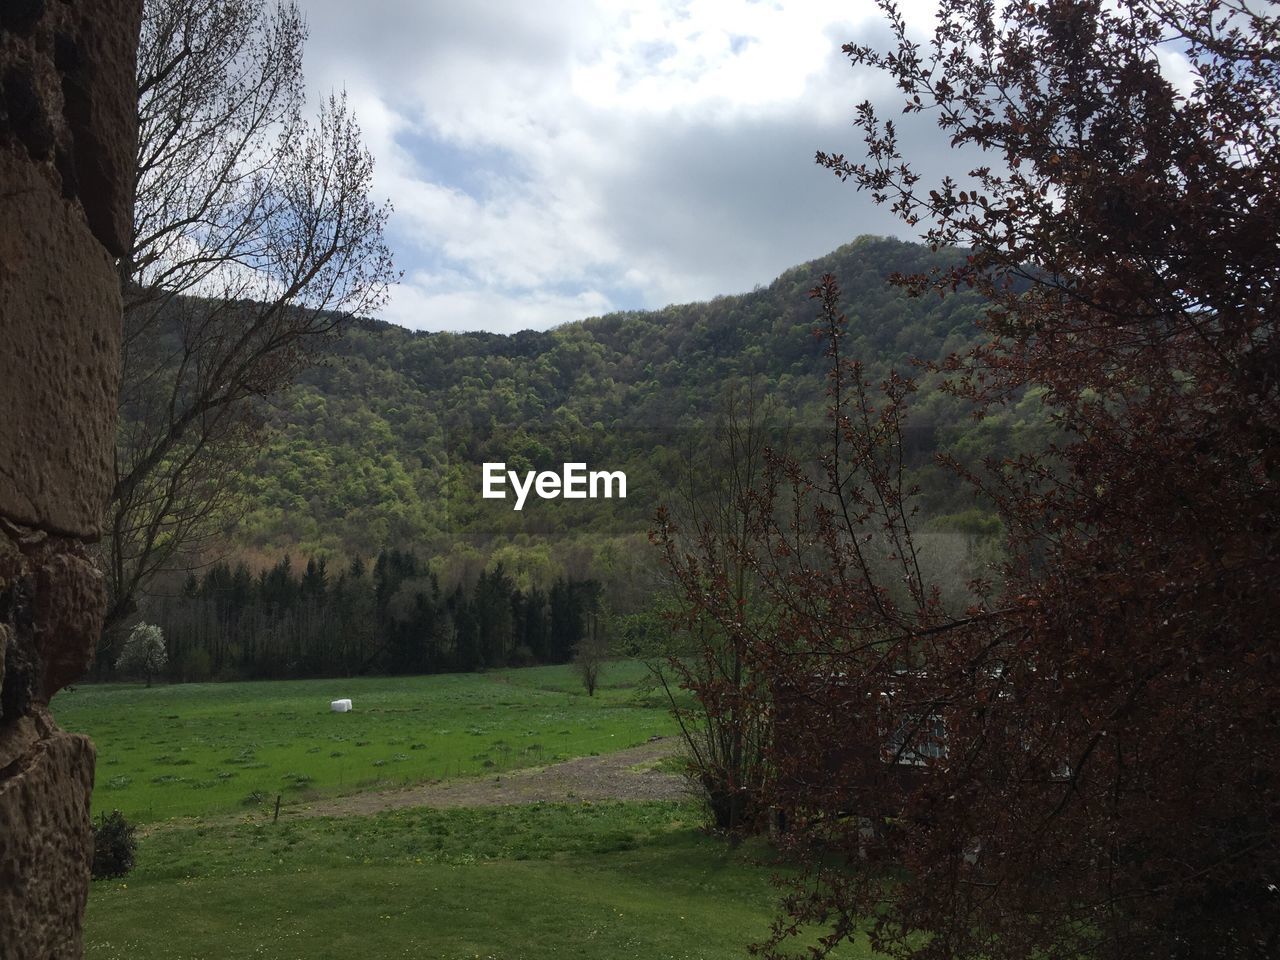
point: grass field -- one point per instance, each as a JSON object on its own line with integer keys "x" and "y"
{"x": 217, "y": 878}
{"x": 617, "y": 880}
{"x": 202, "y": 749}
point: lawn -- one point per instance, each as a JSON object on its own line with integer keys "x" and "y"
{"x": 220, "y": 748}
{"x": 517, "y": 883}
{"x": 201, "y": 765}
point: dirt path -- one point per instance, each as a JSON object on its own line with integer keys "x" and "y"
{"x": 625, "y": 775}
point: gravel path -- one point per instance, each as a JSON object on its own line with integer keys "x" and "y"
{"x": 624, "y": 775}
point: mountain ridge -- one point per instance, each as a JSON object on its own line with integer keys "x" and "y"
{"x": 379, "y": 446}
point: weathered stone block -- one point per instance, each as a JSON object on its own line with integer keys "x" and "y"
{"x": 60, "y": 324}
{"x": 68, "y": 99}
{"x": 67, "y": 617}
{"x": 46, "y": 839}
{"x": 67, "y": 139}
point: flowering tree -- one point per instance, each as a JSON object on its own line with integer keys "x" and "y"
{"x": 1082, "y": 762}
{"x": 144, "y": 652}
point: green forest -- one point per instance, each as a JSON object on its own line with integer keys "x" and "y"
{"x": 391, "y": 617}
{"x": 379, "y": 446}
{"x": 359, "y": 540}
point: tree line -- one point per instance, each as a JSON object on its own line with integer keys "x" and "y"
{"x": 393, "y": 617}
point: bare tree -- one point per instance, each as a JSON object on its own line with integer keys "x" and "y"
{"x": 593, "y": 649}
{"x": 706, "y": 537}
{"x": 254, "y": 241}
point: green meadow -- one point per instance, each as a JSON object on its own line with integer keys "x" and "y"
{"x": 216, "y": 877}
{"x": 202, "y": 749}
{"x": 615, "y": 880}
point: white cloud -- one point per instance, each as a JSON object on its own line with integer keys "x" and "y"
{"x": 444, "y": 301}
{"x": 551, "y": 161}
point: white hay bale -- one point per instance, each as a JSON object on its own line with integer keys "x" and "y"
{"x": 340, "y": 706}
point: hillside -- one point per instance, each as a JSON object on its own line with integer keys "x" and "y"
{"x": 380, "y": 445}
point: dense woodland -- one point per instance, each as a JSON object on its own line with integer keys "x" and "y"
{"x": 376, "y": 452}
{"x": 392, "y": 617}
{"x": 380, "y": 445}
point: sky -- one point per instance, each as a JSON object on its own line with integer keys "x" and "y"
{"x": 550, "y": 161}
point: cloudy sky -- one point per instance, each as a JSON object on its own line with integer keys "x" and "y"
{"x": 557, "y": 160}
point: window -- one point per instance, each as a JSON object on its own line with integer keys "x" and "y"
{"x": 916, "y": 741}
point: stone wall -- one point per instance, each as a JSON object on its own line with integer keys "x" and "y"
{"x": 66, "y": 155}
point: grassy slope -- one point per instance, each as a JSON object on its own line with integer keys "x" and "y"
{"x": 603, "y": 881}
{"x": 198, "y": 749}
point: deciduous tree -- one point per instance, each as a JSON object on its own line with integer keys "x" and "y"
{"x": 708, "y": 537}
{"x": 254, "y": 241}
{"x": 593, "y": 649}
{"x": 144, "y": 652}
{"x": 1083, "y": 762}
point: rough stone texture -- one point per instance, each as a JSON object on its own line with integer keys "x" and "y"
{"x": 46, "y": 777}
{"x": 68, "y": 103}
{"x": 67, "y": 603}
{"x": 61, "y": 372}
{"x": 51, "y": 600}
{"x": 66, "y": 154}
{"x": 5, "y": 638}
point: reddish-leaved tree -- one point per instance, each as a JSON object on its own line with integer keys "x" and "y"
{"x": 1083, "y": 763}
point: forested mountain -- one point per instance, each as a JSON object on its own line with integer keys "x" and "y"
{"x": 363, "y": 542}
{"x": 380, "y": 445}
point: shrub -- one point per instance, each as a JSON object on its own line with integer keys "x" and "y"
{"x": 114, "y": 846}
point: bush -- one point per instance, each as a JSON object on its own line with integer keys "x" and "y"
{"x": 114, "y": 846}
